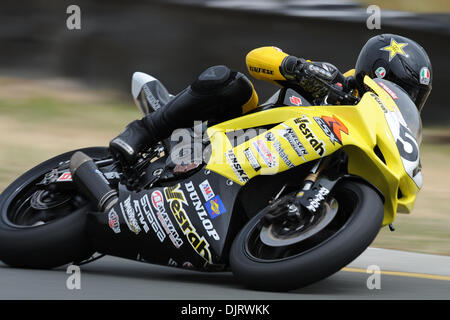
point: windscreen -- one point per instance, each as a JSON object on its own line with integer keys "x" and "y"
{"x": 407, "y": 107}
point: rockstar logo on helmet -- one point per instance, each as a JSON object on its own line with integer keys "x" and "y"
{"x": 395, "y": 48}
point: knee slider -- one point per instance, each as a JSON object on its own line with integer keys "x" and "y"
{"x": 212, "y": 79}
{"x": 229, "y": 93}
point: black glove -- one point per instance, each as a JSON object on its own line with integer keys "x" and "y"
{"x": 127, "y": 145}
{"x": 312, "y": 75}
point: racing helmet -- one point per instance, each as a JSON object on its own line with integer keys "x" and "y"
{"x": 399, "y": 60}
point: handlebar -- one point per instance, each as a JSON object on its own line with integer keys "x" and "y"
{"x": 297, "y": 68}
{"x": 335, "y": 92}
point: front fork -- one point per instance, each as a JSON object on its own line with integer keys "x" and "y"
{"x": 317, "y": 185}
{"x": 324, "y": 175}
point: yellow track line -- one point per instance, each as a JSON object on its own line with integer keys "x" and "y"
{"x": 401, "y": 274}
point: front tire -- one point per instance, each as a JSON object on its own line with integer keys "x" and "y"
{"x": 42, "y": 245}
{"x": 357, "y": 222}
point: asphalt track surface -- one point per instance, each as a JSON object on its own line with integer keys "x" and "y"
{"x": 404, "y": 275}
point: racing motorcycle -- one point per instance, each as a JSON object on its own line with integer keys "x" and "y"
{"x": 286, "y": 207}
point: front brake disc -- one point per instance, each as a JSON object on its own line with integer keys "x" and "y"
{"x": 270, "y": 237}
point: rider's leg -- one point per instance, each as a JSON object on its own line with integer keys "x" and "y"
{"x": 217, "y": 94}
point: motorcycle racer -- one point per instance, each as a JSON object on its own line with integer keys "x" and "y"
{"x": 220, "y": 93}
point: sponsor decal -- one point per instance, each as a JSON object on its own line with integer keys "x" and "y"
{"x": 215, "y": 207}
{"x": 425, "y": 76}
{"x": 260, "y": 70}
{"x": 295, "y": 100}
{"x": 66, "y": 176}
{"x": 308, "y": 134}
{"x": 163, "y": 217}
{"x": 318, "y": 70}
{"x": 289, "y": 135}
{"x": 177, "y": 200}
{"x": 140, "y": 215}
{"x": 380, "y": 72}
{"x": 388, "y": 90}
{"x": 270, "y": 136}
{"x": 151, "y": 98}
{"x": 395, "y": 48}
{"x": 380, "y": 103}
{"x": 252, "y": 159}
{"x": 265, "y": 153}
{"x": 314, "y": 203}
{"x": 143, "y": 208}
{"x": 207, "y": 224}
{"x": 188, "y": 265}
{"x": 129, "y": 215}
{"x": 332, "y": 127}
{"x": 172, "y": 263}
{"x": 157, "y": 199}
{"x": 206, "y": 190}
{"x": 236, "y": 166}
{"x": 113, "y": 221}
{"x": 277, "y": 145}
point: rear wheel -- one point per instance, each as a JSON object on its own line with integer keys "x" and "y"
{"x": 286, "y": 258}
{"x": 43, "y": 229}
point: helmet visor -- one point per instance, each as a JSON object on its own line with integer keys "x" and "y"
{"x": 418, "y": 94}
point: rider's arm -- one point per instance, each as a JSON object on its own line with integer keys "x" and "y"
{"x": 273, "y": 65}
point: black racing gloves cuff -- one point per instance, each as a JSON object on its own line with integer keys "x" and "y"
{"x": 291, "y": 66}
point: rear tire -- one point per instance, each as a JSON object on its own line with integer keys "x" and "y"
{"x": 49, "y": 245}
{"x": 333, "y": 251}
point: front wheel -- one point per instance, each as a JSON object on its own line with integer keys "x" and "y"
{"x": 42, "y": 229}
{"x": 354, "y": 226}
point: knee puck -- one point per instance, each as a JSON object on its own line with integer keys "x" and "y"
{"x": 213, "y": 78}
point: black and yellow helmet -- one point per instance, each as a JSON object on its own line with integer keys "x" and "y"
{"x": 399, "y": 60}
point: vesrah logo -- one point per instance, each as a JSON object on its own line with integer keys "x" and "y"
{"x": 316, "y": 144}
{"x": 176, "y": 199}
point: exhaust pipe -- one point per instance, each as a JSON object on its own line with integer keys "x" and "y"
{"x": 92, "y": 182}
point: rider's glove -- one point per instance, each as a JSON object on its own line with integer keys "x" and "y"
{"x": 127, "y": 145}
{"x": 311, "y": 75}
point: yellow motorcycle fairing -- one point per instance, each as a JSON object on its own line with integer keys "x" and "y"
{"x": 367, "y": 132}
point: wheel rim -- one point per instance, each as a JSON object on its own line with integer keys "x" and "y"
{"x": 289, "y": 233}
{"x": 256, "y": 250}
{"x": 32, "y": 206}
